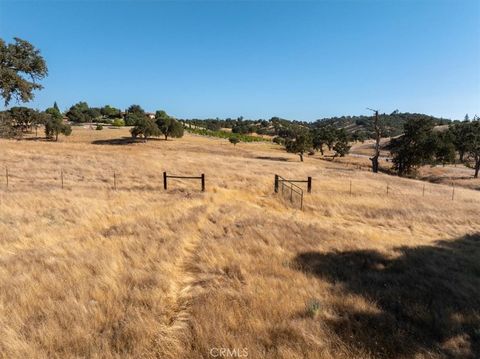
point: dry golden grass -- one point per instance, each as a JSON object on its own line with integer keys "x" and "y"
{"x": 452, "y": 175}
{"x": 139, "y": 272}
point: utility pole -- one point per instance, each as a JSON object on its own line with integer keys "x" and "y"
{"x": 376, "y": 127}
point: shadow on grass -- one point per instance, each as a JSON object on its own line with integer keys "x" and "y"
{"x": 428, "y": 296}
{"x": 125, "y": 141}
{"x": 272, "y": 158}
{"x": 118, "y": 141}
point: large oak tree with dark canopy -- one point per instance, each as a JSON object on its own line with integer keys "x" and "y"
{"x": 21, "y": 67}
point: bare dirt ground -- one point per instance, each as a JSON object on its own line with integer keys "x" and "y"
{"x": 88, "y": 271}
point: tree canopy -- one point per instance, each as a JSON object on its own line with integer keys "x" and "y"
{"x": 167, "y": 125}
{"x": 54, "y": 124}
{"x": 134, "y": 114}
{"x": 21, "y": 66}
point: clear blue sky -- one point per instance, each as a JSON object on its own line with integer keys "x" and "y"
{"x": 258, "y": 59}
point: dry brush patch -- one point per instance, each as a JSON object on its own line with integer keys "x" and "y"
{"x": 138, "y": 272}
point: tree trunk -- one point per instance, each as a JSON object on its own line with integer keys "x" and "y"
{"x": 56, "y": 136}
{"x": 477, "y": 167}
{"x": 166, "y": 137}
{"x": 374, "y": 160}
{"x": 301, "y": 157}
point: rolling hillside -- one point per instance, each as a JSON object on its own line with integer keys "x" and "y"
{"x": 88, "y": 271}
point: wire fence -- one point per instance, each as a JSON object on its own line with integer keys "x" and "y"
{"x": 71, "y": 178}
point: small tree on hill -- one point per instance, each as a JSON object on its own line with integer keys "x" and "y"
{"x": 301, "y": 143}
{"x": 145, "y": 127}
{"x": 444, "y": 148}
{"x": 234, "y": 140}
{"x": 24, "y": 117}
{"x": 323, "y": 136}
{"x": 459, "y": 131}
{"x": 54, "y": 124}
{"x": 80, "y": 112}
{"x": 168, "y": 126}
{"x": 341, "y": 146}
{"x": 416, "y": 147}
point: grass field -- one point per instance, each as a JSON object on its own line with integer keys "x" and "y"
{"x": 139, "y": 272}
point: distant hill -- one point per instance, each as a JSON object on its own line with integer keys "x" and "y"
{"x": 391, "y": 123}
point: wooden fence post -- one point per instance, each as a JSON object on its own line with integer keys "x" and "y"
{"x": 350, "y": 187}
{"x": 423, "y": 191}
{"x": 387, "y": 188}
{"x": 165, "y": 180}
{"x": 276, "y": 184}
{"x": 114, "y": 180}
{"x": 309, "y": 184}
{"x": 203, "y": 182}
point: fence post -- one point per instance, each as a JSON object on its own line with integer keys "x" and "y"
{"x": 453, "y": 190}
{"x": 276, "y": 184}
{"x": 291, "y": 192}
{"x": 165, "y": 180}
{"x": 203, "y": 182}
{"x": 387, "y": 188}
{"x": 6, "y": 174}
{"x": 114, "y": 180}
{"x": 423, "y": 191}
{"x": 61, "y": 176}
{"x": 350, "y": 187}
{"x": 309, "y": 184}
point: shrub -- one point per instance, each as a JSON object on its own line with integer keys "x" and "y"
{"x": 118, "y": 122}
{"x": 234, "y": 140}
{"x": 99, "y": 127}
{"x": 312, "y": 308}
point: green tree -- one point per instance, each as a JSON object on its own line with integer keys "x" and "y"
{"x": 133, "y": 114}
{"x": 110, "y": 112}
{"x": 21, "y": 66}
{"x": 416, "y": 147}
{"x": 444, "y": 149}
{"x": 145, "y": 127}
{"x": 54, "y": 124}
{"x": 93, "y": 114}
{"x": 324, "y": 136}
{"x": 341, "y": 146}
{"x": 167, "y": 125}
{"x": 24, "y": 117}
{"x": 473, "y": 145}
{"x": 79, "y": 113}
{"x": 300, "y": 143}
{"x": 460, "y": 131}
{"x": 7, "y": 126}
